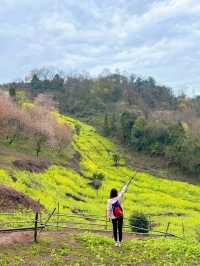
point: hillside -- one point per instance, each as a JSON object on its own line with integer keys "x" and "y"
{"x": 138, "y": 113}
{"x": 69, "y": 184}
{"x": 164, "y": 200}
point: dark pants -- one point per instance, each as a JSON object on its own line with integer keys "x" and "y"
{"x": 117, "y": 228}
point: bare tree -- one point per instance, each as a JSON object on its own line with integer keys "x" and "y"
{"x": 46, "y": 101}
{"x": 46, "y": 129}
{"x": 62, "y": 135}
{"x": 12, "y": 119}
{"x": 36, "y": 122}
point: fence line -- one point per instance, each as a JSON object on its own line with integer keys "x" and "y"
{"x": 91, "y": 218}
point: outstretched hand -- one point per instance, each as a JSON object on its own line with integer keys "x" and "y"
{"x": 130, "y": 180}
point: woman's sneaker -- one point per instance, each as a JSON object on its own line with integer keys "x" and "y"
{"x": 119, "y": 244}
{"x": 116, "y": 244}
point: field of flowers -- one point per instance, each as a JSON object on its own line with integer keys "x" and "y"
{"x": 162, "y": 200}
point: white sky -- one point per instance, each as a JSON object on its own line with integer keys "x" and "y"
{"x": 159, "y": 38}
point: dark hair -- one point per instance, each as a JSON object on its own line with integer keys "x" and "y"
{"x": 113, "y": 193}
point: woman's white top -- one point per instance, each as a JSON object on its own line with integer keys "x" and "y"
{"x": 110, "y": 202}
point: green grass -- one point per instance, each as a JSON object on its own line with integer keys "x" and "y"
{"x": 142, "y": 252}
{"x": 90, "y": 249}
{"x": 26, "y": 148}
{"x": 164, "y": 200}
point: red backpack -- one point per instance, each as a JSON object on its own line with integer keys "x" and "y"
{"x": 117, "y": 209}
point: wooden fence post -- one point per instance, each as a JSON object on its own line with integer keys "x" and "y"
{"x": 149, "y": 217}
{"x": 58, "y": 212}
{"x": 106, "y": 225}
{"x": 183, "y": 229}
{"x": 49, "y": 217}
{"x": 40, "y": 213}
{"x": 35, "y": 228}
{"x": 167, "y": 229}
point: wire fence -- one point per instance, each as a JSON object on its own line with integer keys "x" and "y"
{"x": 36, "y": 222}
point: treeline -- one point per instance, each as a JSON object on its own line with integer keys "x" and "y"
{"x": 174, "y": 139}
{"x": 137, "y": 111}
{"x": 86, "y": 95}
{"x": 35, "y": 123}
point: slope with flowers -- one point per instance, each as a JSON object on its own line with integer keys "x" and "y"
{"x": 163, "y": 200}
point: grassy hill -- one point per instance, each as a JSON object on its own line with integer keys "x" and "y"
{"x": 163, "y": 200}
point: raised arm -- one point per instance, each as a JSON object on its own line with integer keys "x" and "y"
{"x": 121, "y": 194}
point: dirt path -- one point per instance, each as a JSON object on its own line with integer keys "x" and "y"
{"x": 7, "y": 239}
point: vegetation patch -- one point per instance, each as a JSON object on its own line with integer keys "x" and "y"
{"x": 10, "y": 199}
{"x": 139, "y": 223}
{"x": 77, "y": 198}
{"x": 143, "y": 252}
{"x": 32, "y": 165}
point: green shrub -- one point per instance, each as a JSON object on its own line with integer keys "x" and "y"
{"x": 77, "y": 129}
{"x": 139, "y": 223}
{"x": 98, "y": 176}
{"x": 97, "y": 180}
{"x": 116, "y": 159}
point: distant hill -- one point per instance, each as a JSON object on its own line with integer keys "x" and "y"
{"x": 135, "y": 112}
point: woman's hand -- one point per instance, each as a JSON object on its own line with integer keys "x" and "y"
{"x": 108, "y": 218}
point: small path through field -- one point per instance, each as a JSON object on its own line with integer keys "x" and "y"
{"x": 15, "y": 238}
{"x": 27, "y": 237}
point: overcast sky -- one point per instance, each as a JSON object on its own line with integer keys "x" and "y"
{"x": 159, "y": 38}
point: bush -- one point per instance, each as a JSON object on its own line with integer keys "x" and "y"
{"x": 77, "y": 129}
{"x": 96, "y": 184}
{"x": 98, "y": 176}
{"x": 139, "y": 223}
{"x": 97, "y": 180}
{"x": 116, "y": 159}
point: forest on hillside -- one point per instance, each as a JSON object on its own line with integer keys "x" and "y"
{"x": 141, "y": 114}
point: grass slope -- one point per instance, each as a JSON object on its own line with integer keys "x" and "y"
{"x": 67, "y": 248}
{"x": 164, "y": 200}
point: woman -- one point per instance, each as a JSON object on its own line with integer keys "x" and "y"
{"x": 115, "y": 213}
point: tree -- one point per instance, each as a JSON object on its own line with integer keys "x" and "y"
{"x": 12, "y": 91}
{"x": 127, "y": 121}
{"x": 138, "y": 133}
{"x": 116, "y": 159}
{"x": 62, "y": 135}
{"x": 46, "y": 102}
{"x": 15, "y": 128}
{"x": 113, "y": 124}
{"x": 46, "y": 130}
{"x": 12, "y": 119}
{"x": 106, "y": 127}
{"x": 36, "y": 122}
{"x": 97, "y": 181}
{"x": 5, "y": 111}
{"x": 57, "y": 83}
{"x": 77, "y": 129}
{"x": 40, "y": 128}
{"x": 36, "y": 83}
{"x": 96, "y": 184}
{"x": 176, "y": 133}
{"x": 41, "y": 138}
